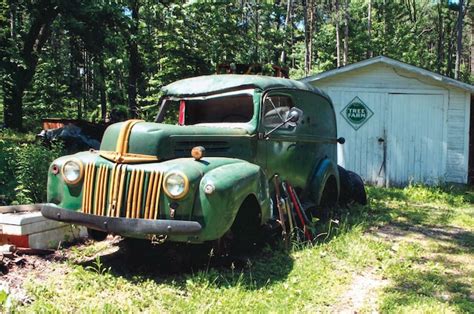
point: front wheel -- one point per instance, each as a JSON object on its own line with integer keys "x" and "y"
{"x": 96, "y": 235}
{"x": 245, "y": 233}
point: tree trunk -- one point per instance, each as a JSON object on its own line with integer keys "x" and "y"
{"x": 289, "y": 10}
{"x": 472, "y": 48}
{"x": 134, "y": 59}
{"x": 459, "y": 26}
{"x": 75, "y": 83}
{"x": 450, "y": 34}
{"x": 256, "y": 58}
{"x": 20, "y": 74}
{"x": 103, "y": 96}
{"x": 346, "y": 33}
{"x": 440, "y": 30}
{"x": 13, "y": 104}
{"x": 308, "y": 36}
{"x": 338, "y": 46}
{"x": 370, "y": 52}
{"x": 385, "y": 32}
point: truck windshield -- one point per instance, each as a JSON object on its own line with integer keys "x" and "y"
{"x": 232, "y": 107}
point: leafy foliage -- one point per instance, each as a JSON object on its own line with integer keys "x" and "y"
{"x": 100, "y": 56}
{"x": 24, "y": 168}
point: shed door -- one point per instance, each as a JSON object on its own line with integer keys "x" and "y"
{"x": 415, "y": 138}
{"x": 363, "y": 151}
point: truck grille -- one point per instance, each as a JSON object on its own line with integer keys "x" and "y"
{"x": 121, "y": 192}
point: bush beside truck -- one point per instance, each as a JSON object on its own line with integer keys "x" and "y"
{"x": 24, "y": 167}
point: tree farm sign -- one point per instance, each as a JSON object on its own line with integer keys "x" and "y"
{"x": 356, "y": 113}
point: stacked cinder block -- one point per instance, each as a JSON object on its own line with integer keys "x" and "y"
{"x": 24, "y": 226}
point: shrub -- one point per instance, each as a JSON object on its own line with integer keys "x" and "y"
{"x": 31, "y": 171}
{"x": 7, "y": 177}
{"x": 24, "y": 168}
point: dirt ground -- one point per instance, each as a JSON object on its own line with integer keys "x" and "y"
{"x": 17, "y": 268}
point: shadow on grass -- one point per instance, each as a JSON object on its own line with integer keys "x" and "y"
{"x": 269, "y": 264}
{"x": 426, "y": 284}
{"x": 175, "y": 264}
{"x": 436, "y": 275}
{"x": 456, "y": 239}
{"x": 428, "y": 287}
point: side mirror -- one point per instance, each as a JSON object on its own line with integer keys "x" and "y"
{"x": 292, "y": 117}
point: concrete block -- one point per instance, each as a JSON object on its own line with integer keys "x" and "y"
{"x": 32, "y": 230}
{"x": 21, "y": 218}
{"x": 50, "y": 239}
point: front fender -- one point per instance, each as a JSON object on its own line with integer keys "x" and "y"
{"x": 233, "y": 183}
{"x": 325, "y": 169}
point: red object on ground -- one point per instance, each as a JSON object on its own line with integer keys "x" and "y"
{"x": 17, "y": 240}
{"x": 298, "y": 211}
{"x": 182, "y": 111}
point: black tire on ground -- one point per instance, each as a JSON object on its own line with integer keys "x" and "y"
{"x": 345, "y": 193}
{"x": 328, "y": 201}
{"x": 96, "y": 235}
{"x": 357, "y": 186}
{"x": 245, "y": 233}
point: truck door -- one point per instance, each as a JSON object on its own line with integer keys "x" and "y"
{"x": 283, "y": 154}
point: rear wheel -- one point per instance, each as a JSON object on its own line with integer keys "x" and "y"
{"x": 352, "y": 188}
{"x": 358, "y": 191}
{"x": 345, "y": 195}
{"x": 328, "y": 200}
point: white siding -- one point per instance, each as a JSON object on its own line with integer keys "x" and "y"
{"x": 377, "y": 76}
{"x": 458, "y": 136}
{"x": 384, "y": 80}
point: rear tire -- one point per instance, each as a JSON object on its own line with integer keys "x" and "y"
{"x": 352, "y": 188}
{"x": 96, "y": 235}
{"x": 345, "y": 194}
{"x": 358, "y": 191}
{"x": 328, "y": 200}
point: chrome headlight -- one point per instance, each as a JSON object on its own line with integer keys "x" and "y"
{"x": 176, "y": 185}
{"x": 72, "y": 171}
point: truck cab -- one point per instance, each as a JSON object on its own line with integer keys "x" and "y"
{"x": 205, "y": 167}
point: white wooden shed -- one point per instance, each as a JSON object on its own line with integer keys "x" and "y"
{"x": 401, "y": 123}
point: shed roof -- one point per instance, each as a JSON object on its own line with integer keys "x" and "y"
{"x": 208, "y": 84}
{"x": 396, "y": 64}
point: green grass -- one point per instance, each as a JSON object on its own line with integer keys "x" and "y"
{"x": 418, "y": 240}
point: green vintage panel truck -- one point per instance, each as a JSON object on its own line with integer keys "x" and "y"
{"x": 205, "y": 167}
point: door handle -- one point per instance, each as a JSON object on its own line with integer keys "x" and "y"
{"x": 381, "y": 139}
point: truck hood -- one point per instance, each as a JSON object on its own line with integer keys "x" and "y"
{"x": 173, "y": 141}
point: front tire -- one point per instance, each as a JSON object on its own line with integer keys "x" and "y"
{"x": 245, "y": 233}
{"x": 96, "y": 235}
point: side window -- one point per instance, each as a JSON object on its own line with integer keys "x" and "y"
{"x": 275, "y": 110}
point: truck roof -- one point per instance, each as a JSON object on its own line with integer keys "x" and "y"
{"x": 210, "y": 84}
